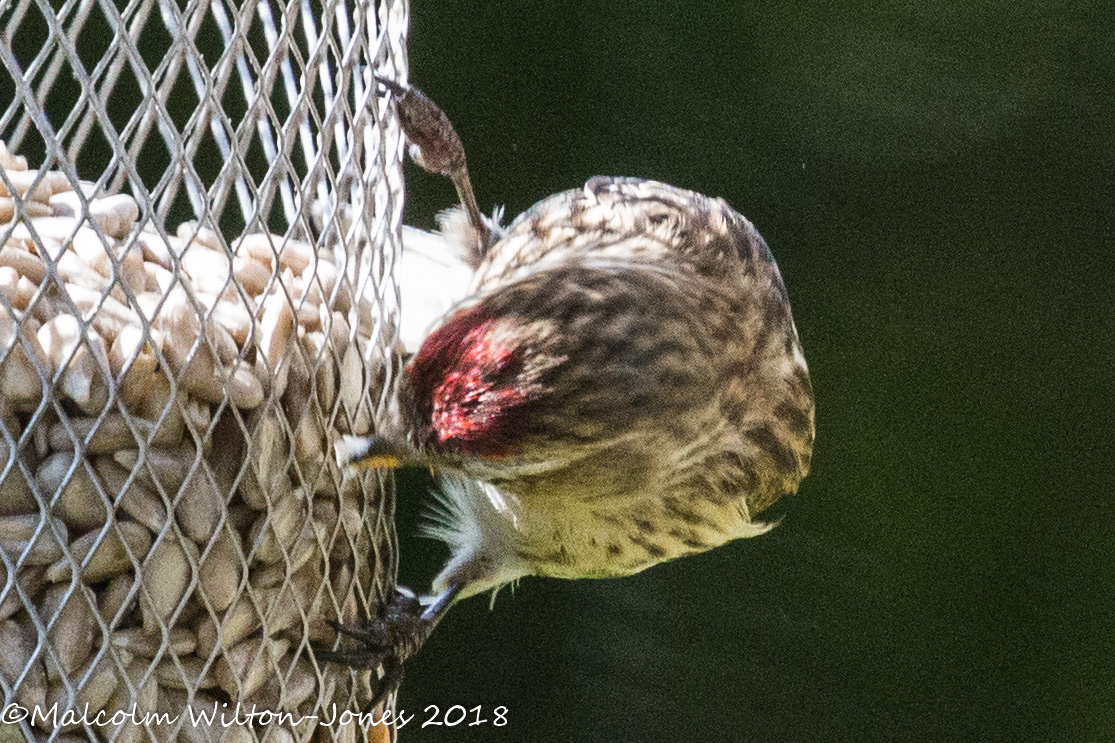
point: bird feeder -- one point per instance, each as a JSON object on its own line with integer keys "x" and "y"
{"x": 199, "y": 217}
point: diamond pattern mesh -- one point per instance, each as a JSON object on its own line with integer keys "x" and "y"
{"x": 199, "y": 215}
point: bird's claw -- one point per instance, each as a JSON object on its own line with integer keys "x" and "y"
{"x": 434, "y": 143}
{"x": 373, "y": 635}
{"x": 436, "y": 147}
{"x": 389, "y": 86}
{"x": 397, "y": 632}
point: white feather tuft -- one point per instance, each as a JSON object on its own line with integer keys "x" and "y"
{"x": 480, "y": 524}
{"x": 432, "y": 278}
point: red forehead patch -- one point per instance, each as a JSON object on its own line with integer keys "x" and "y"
{"x": 467, "y": 378}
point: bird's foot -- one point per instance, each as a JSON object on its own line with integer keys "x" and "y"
{"x": 434, "y": 143}
{"x": 399, "y": 630}
{"x": 436, "y": 147}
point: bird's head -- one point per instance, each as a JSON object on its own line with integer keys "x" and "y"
{"x": 562, "y": 366}
{"x": 471, "y": 398}
{"x": 471, "y": 389}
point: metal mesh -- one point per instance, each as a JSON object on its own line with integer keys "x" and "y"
{"x": 199, "y": 214}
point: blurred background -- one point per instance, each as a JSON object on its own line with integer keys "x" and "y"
{"x": 936, "y": 182}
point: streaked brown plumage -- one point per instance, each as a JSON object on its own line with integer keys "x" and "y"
{"x": 623, "y": 385}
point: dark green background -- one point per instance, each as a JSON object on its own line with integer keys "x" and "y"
{"x": 936, "y": 182}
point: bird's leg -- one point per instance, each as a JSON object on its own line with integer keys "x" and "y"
{"x": 436, "y": 147}
{"x": 399, "y": 630}
{"x": 441, "y": 603}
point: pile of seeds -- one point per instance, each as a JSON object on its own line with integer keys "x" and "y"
{"x": 174, "y": 531}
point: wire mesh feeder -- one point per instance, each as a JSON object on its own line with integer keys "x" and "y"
{"x": 174, "y": 532}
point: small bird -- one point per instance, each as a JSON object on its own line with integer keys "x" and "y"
{"x": 622, "y": 385}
